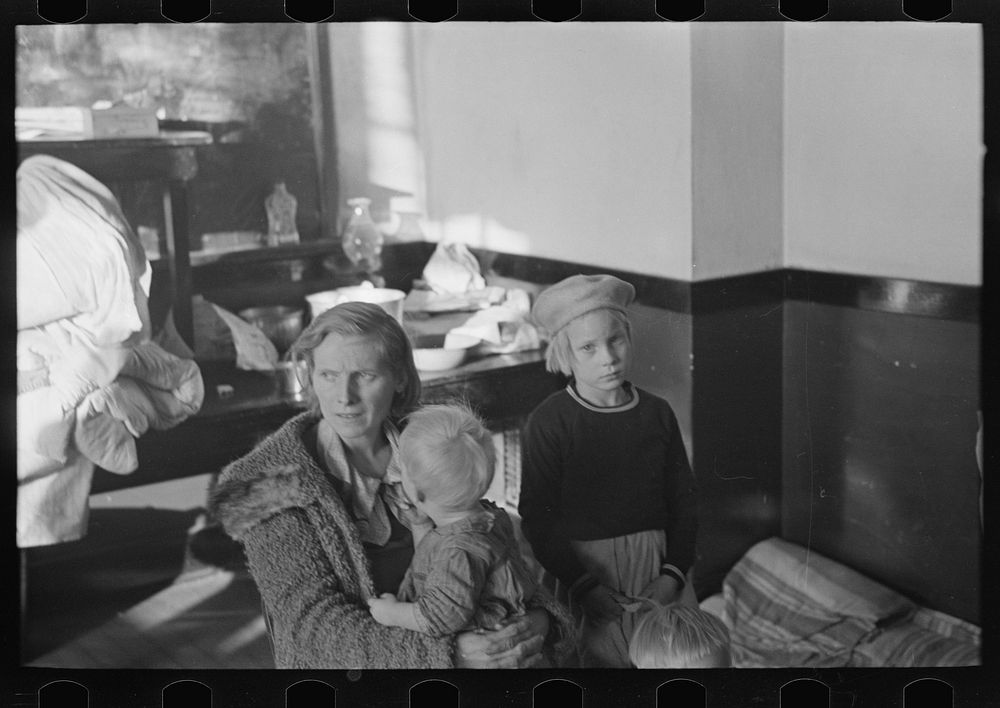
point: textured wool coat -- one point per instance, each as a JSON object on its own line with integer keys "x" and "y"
{"x": 306, "y": 556}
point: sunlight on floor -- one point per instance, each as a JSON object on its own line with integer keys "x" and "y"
{"x": 206, "y": 619}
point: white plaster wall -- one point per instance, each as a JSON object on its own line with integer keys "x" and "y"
{"x": 682, "y": 151}
{"x": 375, "y": 116}
{"x": 736, "y": 136}
{"x": 883, "y": 149}
{"x": 560, "y": 141}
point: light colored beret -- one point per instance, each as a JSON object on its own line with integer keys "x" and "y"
{"x": 577, "y": 295}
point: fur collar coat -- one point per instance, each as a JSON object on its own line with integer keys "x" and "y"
{"x": 307, "y": 558}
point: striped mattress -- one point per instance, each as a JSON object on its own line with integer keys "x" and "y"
{"x": 787, "y": 606}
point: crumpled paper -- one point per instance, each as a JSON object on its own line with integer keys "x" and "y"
{"x": 219, "y": 335}
{"x": 430, "y": 302}
{"x": 453, "y": 269}
{"x": 254, "y": 351}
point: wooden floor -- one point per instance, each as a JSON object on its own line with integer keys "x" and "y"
{"x": 148, "y": 587}
{"x": 208, "y": 620}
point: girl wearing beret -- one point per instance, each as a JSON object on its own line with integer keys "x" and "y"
{"x": 608, "y": 497}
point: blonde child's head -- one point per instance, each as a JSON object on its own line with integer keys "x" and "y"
{"x": 448, "y": 457}
{"x": 679, "y": 637}
{"x": 572, "y": 298}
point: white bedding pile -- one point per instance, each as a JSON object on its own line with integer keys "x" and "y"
{"x": 89, "y": 379}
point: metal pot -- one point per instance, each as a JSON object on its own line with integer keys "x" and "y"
{"x": 281, "y": 324}
{"x": 291, "y": 377}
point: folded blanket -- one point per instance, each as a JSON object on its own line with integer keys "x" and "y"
{"x": 77, "y": 256}
{"x": 155, "y": 389}
{"x": 54, "y": 507}
{"x": 82, "y": 287}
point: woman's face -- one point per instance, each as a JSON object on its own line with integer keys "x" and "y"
{"x": 353, "y": 385}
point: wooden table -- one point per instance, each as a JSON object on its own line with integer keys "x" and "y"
{"x": 503, "y": 387}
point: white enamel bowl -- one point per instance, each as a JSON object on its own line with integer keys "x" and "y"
{"x": 431, "y": 354}
{"x": 388, "y": 299}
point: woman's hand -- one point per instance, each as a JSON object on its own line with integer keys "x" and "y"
{"x": 663, "y": 589}
{"x": 515, "y": 645}
{"x": 603, "y": 604}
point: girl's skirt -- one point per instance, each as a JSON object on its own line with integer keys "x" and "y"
{"x": 628, "y": 564}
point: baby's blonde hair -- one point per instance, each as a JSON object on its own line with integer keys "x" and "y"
{"x": 672, "y": 636}
{"x": 448, "y": 454}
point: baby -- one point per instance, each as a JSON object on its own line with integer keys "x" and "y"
{"x": 466, "y": 573}
{"x": 678, "y": 636}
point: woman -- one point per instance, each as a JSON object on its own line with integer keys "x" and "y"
{"x": 320, "y": 510}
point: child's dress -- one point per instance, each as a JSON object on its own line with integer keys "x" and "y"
{"x": 607, "y": 495}
{"x": 468, "y": 575}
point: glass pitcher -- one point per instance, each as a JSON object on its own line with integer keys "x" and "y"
{"x": 361, "y": 240}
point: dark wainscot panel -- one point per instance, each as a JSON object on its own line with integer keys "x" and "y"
{"x": 879, "y": 433}
{"x": 736, "y": 418}
{"x": 836, "y": 410}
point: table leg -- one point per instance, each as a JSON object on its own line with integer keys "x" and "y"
{"x": 175, "y": 211}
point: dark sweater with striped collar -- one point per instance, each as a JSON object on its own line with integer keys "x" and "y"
{"x": 591, "y": 473}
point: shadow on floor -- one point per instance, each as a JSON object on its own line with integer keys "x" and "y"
{"x": 127, "y": 556}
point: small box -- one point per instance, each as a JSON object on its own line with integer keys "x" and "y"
{"x": 76, "y": 121}
{"x": 122, "y": 122}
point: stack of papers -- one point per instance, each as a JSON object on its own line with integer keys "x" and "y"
{"x": 78, "y": 122}
{"x": 434, "y": 302}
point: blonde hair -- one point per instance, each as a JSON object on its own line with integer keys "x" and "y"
{"x": 448, "y": 454}
{"x": 559, "y": 354}
{"x": 672, "y": 636}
